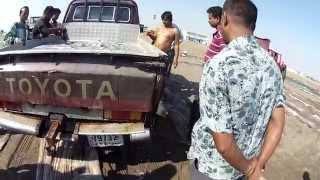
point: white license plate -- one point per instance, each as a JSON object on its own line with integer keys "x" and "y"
{"x": 105, "y": 140}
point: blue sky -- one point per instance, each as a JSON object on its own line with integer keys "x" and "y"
{"x": 292, "y": 25}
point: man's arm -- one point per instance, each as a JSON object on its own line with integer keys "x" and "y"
{"x": 10, "y": 36}
{"x": 176, "y": 48}
{"x": 271, "y": 141}
{"x": 152, "y": 33}
{"x": 44, "y": 31}
{"x": 229, "y": 150}
{"x": 40, "y": 30}
{"x": 55, "y": 31}
{"x": 273, "y": 135}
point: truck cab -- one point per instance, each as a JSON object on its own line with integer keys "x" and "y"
{"x": 108, "y": 11}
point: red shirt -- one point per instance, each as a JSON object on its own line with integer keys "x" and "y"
{"x": 216, "y": 45}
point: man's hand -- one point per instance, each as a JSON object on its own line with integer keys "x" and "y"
{"x": 175, "y": 63}
{"x": 252, "y": 164}
{"x": 257, "y": 173}
{"x": 152, "y": 34}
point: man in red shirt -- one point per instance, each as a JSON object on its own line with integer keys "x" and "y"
{"x": 217, "y": 43}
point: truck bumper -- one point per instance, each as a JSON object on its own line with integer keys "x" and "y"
{"x": 21, "y": 124}
{"x": 30, "y": 125}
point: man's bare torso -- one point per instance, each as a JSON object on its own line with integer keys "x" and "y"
{"x": 165, "y": 37}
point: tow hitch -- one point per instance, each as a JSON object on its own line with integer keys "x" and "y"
{"x": 55, "y": 127}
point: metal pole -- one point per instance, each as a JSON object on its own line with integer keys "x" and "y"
{"x": 117, "y": 11}
{"x": 86, "y": 10}
{"x": 101, "y": 10}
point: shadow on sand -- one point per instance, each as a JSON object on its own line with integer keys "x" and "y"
{"x": 28, "y": 172}
{"x": 306, "y": 176}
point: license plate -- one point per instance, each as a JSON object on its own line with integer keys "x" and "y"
{"x": 105, "y": 140}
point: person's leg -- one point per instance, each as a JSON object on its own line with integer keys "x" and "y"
{"x": 195, "y": 174}
{"x": 170, "y": 54}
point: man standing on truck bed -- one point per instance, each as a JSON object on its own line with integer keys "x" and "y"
{"x": 165, "y": 36}
{"x": 60, "y": 29}
{"x": 19, "y": 32}
{"x": 55, "y": 16}
{"x": 43, "y": 28}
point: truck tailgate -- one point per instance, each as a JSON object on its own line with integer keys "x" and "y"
{"x": 78, "y": 85}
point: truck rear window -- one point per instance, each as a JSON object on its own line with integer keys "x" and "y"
{"x": 124, "y": 14}
{"x": 79, "y": 13}
{"x": 94, "y": 12}
{"x": 106, "y": 13}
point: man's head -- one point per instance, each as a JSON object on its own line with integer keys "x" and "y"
{"x": 56, "y": 14}
{"x": 214, "y": 14}
{"x": 24, "y": 13}
{"x": 47, "y": 13}
{"x": 167, "y": 19}
{"x": 238, "y": 19}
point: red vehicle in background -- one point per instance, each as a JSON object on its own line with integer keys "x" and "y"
{"x": 265, "y": 43}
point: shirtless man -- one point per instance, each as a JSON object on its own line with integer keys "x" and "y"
{"x": 165, "y": 36}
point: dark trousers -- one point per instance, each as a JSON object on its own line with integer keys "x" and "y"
{"x": 196, "y": 175}
{"x": 170, "y": 58}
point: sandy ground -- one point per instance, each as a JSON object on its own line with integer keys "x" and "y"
{"x": 298, "y": 156}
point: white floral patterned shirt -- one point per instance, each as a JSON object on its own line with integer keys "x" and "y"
{"x": 239, "y": 89}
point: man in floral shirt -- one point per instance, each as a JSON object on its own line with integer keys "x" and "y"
{"x": 241, "y": 104}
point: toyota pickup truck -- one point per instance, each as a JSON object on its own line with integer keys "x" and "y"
{"x": 104, "y": 82}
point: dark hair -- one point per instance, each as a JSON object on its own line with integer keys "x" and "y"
{"x": 24, "y": 7}
{"x": 167, "y": 16}
{"x": 215, "y": 11}
{"x": 245, "y": 9}
{"x": 56, "y": 11}
{"x": 48, "y": 10}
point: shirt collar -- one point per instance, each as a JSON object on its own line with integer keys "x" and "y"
{"x": 242, "y": 41}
